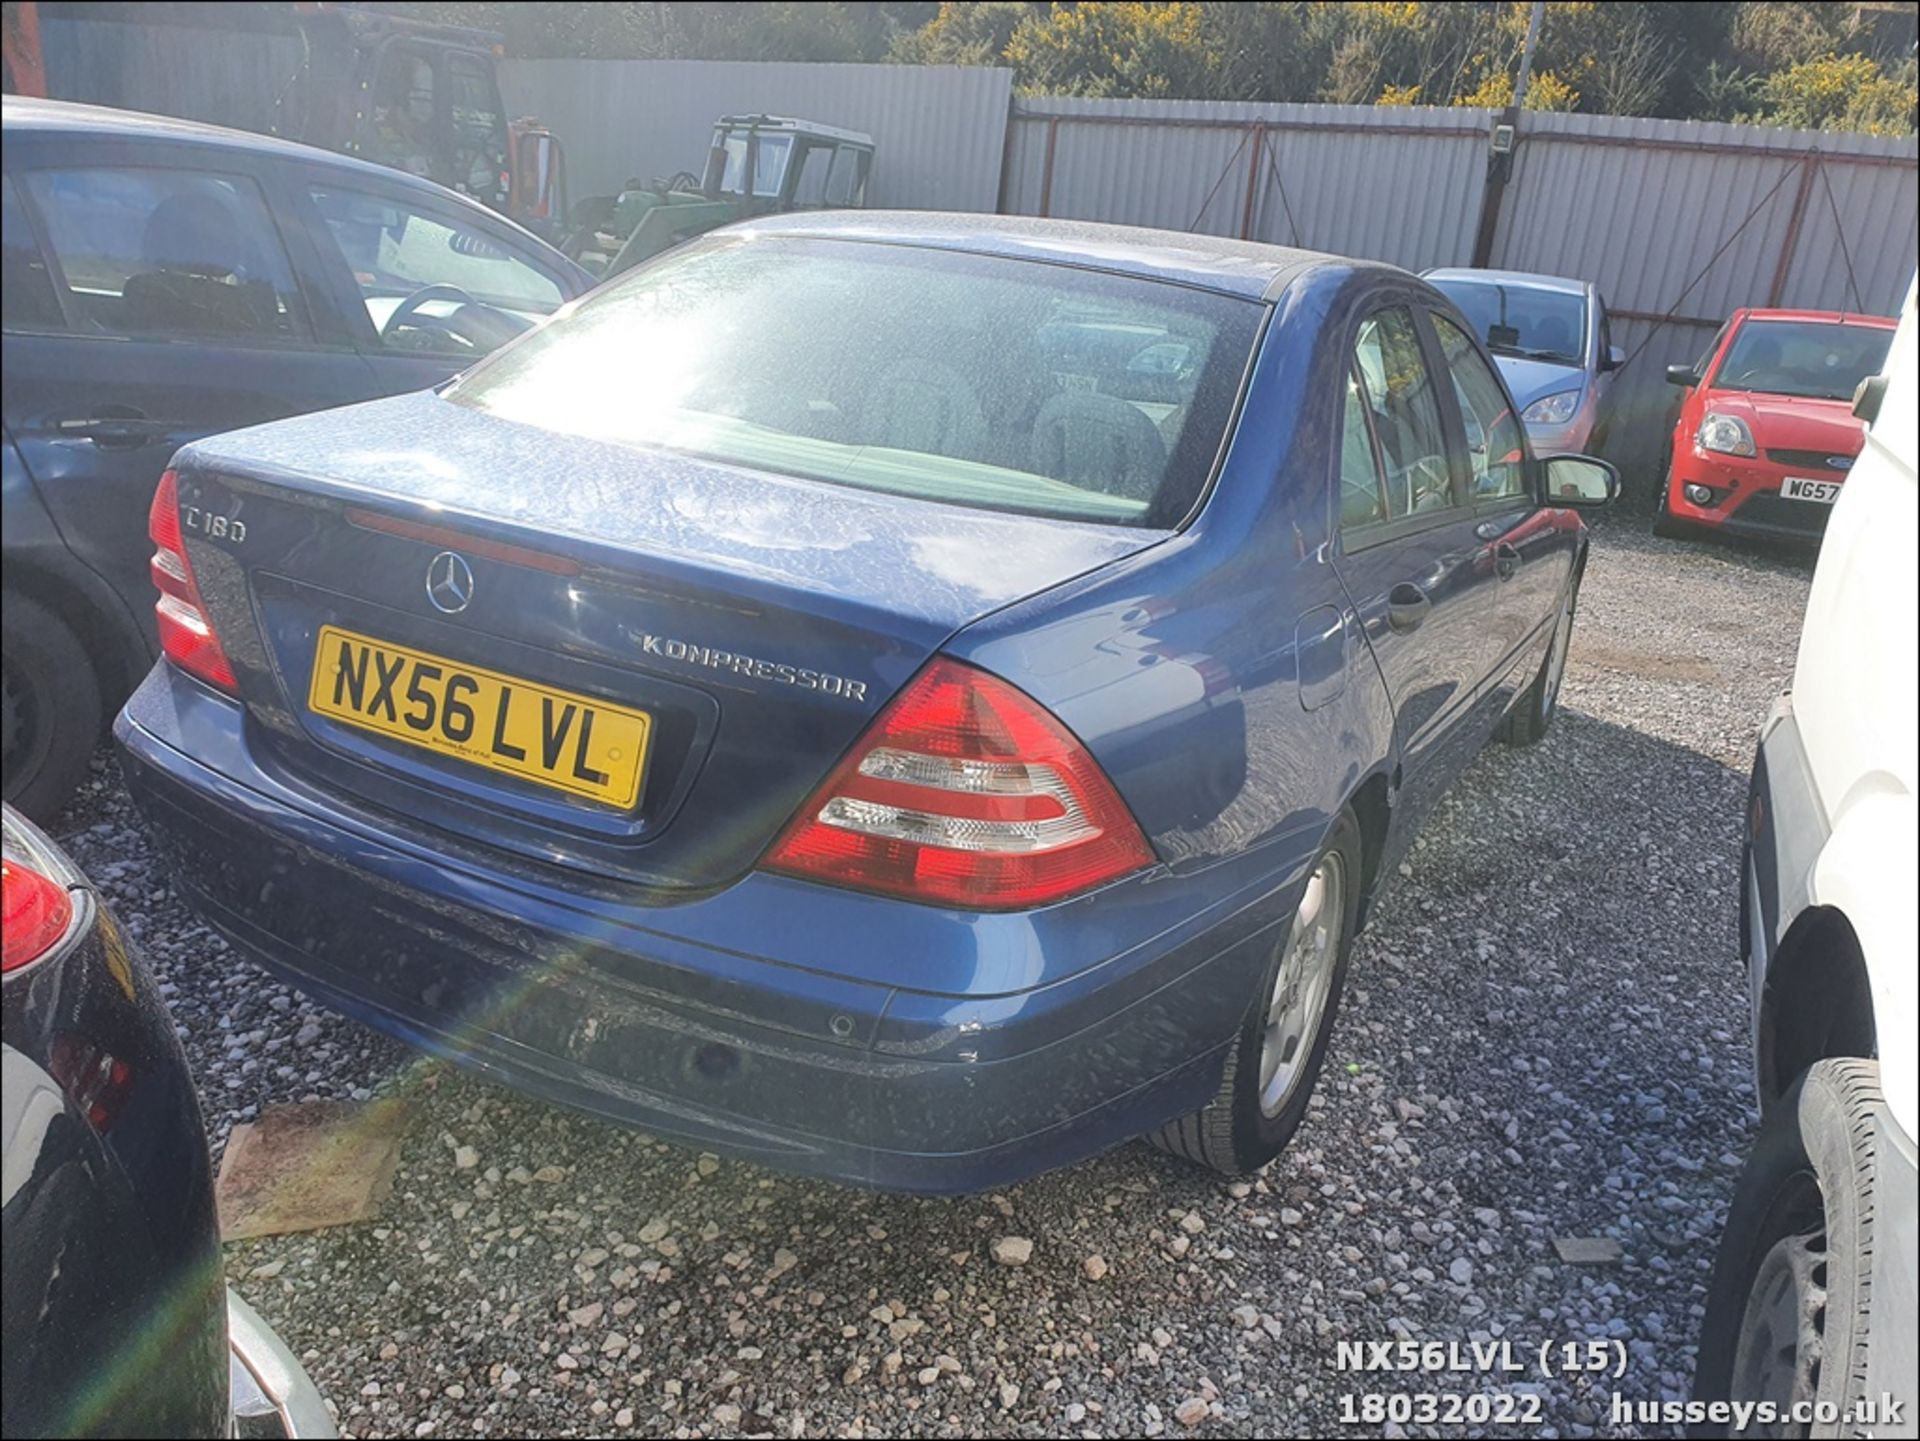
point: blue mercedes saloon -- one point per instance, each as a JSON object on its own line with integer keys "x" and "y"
{"x": 914, "y": 699}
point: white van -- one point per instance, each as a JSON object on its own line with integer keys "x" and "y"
{"x": 1814, "y": 1295}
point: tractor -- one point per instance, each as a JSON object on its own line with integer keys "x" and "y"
{"x": 757, "y": 165}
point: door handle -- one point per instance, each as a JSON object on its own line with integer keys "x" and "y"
{"x": 116, "y": 432}
{"x": 1407, "y": 607}
{"x": 1506, "y": 560}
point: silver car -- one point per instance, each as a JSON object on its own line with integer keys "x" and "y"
{"x": 1549, "y": 336}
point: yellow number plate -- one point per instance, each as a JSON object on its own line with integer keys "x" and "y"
{"x": 574, "y": 743}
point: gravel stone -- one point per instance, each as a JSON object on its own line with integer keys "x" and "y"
{"x": 1013, "y": 1250}
{"x": 1542, "y": 1040}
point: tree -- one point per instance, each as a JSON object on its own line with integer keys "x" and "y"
{"x": 1120, "y": 48}
{"x": 964, "y": 34}
{"x": 1839, "y": 92}
{"x": 1832, "y": 63}
{"x": 1545, "y": 91}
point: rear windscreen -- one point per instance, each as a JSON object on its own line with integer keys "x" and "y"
{"x": 978, "y": 380}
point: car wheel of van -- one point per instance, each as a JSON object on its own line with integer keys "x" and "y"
{"x": 1282, "y": 1042}
{"x": 1787, "y": 1315}
{"x": 1534, "y": 711}
{"x": 49, "y": 708}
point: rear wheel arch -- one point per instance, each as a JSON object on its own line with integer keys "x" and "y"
{"x": 1818, "y": 1001}
{"x": 120, "y": 657}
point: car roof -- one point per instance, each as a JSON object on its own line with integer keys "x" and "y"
{"x": 1207, "y": 262}
{"x": 1820, "y": 317}
{"x": 31, "y": 115}
{"x": 1566, "y": 284}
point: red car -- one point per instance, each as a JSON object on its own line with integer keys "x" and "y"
{"x": 1767, "y": 432}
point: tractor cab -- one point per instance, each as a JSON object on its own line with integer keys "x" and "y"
{"x": 756, "y": 165}
{"x": 769, "y": 163}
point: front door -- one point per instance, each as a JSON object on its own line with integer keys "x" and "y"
{"x": 1408, "y": 556}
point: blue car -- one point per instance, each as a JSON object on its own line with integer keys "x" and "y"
{"x": 914, "y": 699}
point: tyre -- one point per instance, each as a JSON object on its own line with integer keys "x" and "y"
{"x": 1666, "y": 524}
{"x": 1788, "y": 1316}
{"x": 1668, "y": 527}
{"x": 50, "y": 709}
{"x": 1282, "y": 1041}
{"x": 1534, "y": 711}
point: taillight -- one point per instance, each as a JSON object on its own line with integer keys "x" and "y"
{"x": 964, "y": 791}
{"x": 186, "y": 630}
{"x": 34, "y": 914}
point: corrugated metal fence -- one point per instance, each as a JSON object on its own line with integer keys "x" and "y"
{"x": 940, "y": 129}
{"x": 1679, "y": 222}
{"x": 1395, "y": 185}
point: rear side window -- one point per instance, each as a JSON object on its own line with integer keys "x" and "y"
{"x": 977, "y": 380}
{"x": 810, "y": 188}
{"x": 168, "y": 253}
{"x": 848, "y": 183}
{"x": 27, "y": 301}
{"x": 1405, "y": 413}
{"x": 1496, "y": 448}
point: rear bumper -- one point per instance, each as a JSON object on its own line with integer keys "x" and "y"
{"x": 272, "y": 1396}
{"x": 721, "y": 1021}
{"x": 1747, "y": 497}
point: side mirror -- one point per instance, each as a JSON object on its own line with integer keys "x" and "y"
{"x": 1684, "y": 376}
{"x": 1614, "y": 359}
{"x": 1867, "y": 396}
{"x": 1580, "y": 480}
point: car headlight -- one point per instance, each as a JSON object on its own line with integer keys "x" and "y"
{"x": 1727, "y": 434}
{"x": 1552, "y": 409}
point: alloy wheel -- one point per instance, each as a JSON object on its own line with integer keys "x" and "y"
{"x": 1302, "y": 985}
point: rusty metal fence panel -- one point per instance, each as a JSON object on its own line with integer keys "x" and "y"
{"x": 1682, "y": 222}
{"x": 1389, "y": 184}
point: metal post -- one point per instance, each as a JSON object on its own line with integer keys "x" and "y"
{"x": 1526, "y": 53}
{"x": 1500, "y": 167}
{"x": 1006, "y": 157}
{"x": 1253, "y": 183}
{"x": 1046, "y": 167}
{"x": 1808, "y": 168}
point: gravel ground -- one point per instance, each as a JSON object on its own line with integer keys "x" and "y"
{"x": 1543, "y": 1037}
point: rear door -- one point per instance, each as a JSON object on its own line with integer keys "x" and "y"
{"x": 428, "y": 284}
{"x": 179, "y": 310}
{"x": 1409, "y": 552}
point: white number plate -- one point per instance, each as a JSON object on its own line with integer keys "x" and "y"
{"x": 1826, "y": 492}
